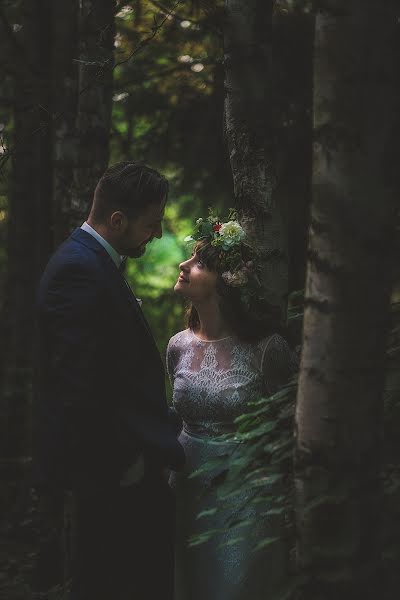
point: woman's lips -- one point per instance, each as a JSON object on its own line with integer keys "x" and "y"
{"x": 182, "y": 279}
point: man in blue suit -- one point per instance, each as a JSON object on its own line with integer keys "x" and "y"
{"x": 104, "y": 434}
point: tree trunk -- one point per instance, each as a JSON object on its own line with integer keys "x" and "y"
{"x": 293, "y": 51}
{"x": 53, "y": 176}
{"x": 66, "y": 134}
{"x": 29, "y": 240}
{"x": 268, "y": 81}
{"x": 96, "y": 55}
{"x": 339, "y": 405}
{"x": 251, "y": 137}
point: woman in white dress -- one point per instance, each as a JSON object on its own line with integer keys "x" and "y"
{"x": 224, "y": 359}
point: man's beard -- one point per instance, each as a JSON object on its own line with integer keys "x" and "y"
{"x": 138, "y": 251}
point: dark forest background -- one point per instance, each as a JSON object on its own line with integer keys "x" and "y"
{"x": 287, "y": 110}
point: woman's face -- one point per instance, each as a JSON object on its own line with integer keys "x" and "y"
{"x": 196, "y": 281}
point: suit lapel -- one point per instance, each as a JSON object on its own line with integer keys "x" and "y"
{"x": 127, "y": 294}
{"x": 115, "y": 279}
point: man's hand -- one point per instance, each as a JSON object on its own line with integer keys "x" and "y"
{"x": 134, "y": 474}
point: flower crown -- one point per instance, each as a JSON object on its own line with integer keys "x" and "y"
{"x": 229, "y": 238}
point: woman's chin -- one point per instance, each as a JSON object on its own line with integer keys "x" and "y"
{"x": 178, "y": 288}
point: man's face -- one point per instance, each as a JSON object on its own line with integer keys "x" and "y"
{"x": 140, "y": 230}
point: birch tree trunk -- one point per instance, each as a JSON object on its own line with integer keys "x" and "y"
{"x": 355, "y": 200}
{"x": 251, "y": 137}
{"x": 268, "y": 83}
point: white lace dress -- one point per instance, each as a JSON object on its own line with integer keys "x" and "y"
{"x": 213, "y": 381}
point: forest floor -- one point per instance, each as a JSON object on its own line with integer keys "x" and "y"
{"x": 20, "y": 534}
{"x": 18, "y": 541}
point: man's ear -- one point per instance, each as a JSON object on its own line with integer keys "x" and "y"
{"x": 118, "y": 221}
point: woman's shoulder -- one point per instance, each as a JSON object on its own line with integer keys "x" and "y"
{"x": 275, "y": 350}
{"x": 273, "y": 342}
{"x": 179, "y": 339}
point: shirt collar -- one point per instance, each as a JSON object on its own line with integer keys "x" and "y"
{"x": 116, "y": 258}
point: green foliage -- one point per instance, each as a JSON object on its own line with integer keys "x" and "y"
{"x": 167, "y": 111}
{"x": 265, "y": 463}
{"x": 168, "y": 98}
{"x": 262, "y": 462}
{"x": 153, "y": 276}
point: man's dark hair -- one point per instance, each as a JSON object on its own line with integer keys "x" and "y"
{"x": 128, "y": 186}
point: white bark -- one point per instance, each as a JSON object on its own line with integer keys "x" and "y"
{"x": 339, "y": 405}
{"x": 250, "y": 135}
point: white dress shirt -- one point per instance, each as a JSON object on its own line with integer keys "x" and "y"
{"x": 116, "y": 258}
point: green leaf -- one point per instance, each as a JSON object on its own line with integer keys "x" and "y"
{"x": 206, "y": 229}
{"x": 207, "y": 513}
{"x": 240, "y": 522}
{"x": 209, "y": 466}
{"x": 273, "y": 511}
{"x": 232, "y": 542}
{"x": 266, "y": 542}
{"x": 201, "y": 538}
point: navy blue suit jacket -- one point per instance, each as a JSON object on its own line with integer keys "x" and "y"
{"x": 100, "y": 398}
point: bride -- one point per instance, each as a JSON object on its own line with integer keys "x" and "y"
{"x": 224, "y": 359}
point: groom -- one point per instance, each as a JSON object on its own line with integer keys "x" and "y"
{"x": 104, "y": 433}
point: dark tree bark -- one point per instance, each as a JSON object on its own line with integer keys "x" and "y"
{"x": 29, "y": 221}
{"x": 60, "y": 148}
{"x": 66, "y": 134}
{"x": 355, "y": 199}
{"x": 96, "y": 55}
{"x": 293, "y": 52}
{"x": 268, "y": 81}
{"x": 251, "y": 136}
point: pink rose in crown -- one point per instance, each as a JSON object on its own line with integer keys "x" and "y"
{"x": 217, "y": 227}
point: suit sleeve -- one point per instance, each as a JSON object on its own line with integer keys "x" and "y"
{"x": 170, "y": 361}
{"x": 69, "y": 319}
{"x": 174, "y": 417}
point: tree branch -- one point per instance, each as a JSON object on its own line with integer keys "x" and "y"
{"x": 164, "y": 9}
{"x": 103, "y": 68}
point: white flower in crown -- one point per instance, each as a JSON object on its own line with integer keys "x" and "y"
{"x": 235, "y": 279}
{"x": 231, "y": 233}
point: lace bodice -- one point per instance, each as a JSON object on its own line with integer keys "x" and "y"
{"x": 213, "y": 381}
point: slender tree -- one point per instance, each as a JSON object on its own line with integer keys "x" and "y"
{"x": 29, "y": 217}
{"x": 268, "y": 82}
{"x": 250, "y": 134}
{"x": 355, "y": 197}
{"x": 96, "y": 52}
{"x": 62, "y": 78}
{"x": 292, "y": 62}
{"x": 65, "y": 74}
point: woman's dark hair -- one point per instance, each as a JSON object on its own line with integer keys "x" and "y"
{"x": 252, "y": 325}
{"x": 128, "y": 186}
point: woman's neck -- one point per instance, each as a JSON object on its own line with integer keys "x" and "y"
{"x": 212, "y": 326}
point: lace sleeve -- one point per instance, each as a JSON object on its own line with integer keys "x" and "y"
{"x": 171, "y": 360}
{"x": 279, "y": 363}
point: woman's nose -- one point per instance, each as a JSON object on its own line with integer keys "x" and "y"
{"x": 184, "y": 266}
